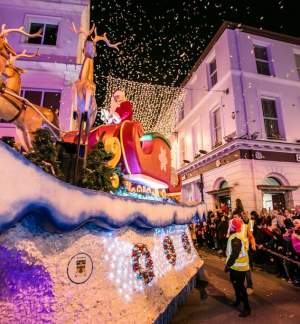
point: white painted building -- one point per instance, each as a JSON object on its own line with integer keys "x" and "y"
{"x": 242, "y": 111}
{"x": 49, "y": 77}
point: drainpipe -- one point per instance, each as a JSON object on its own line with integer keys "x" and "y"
{"x": 252, "y": 167}
{"x": 236, "y": 33}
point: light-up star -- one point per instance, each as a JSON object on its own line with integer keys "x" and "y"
{"x": 163, "y": 159}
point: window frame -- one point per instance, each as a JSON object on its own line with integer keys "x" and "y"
{"x": 45, "y": 20}
{"x": 212, "y": 74}
{"x": 278, "y": 118}
{"x": 182, "y": 151}
{"x": 215, "y": 143}
{"x": 268, "y": 61}
{"x": 297, "y": 67}
{"x": 181, "y": 113}
{"x": 43, "y": 91}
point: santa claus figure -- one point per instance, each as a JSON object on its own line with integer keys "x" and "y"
{"x": 121, "y": 107}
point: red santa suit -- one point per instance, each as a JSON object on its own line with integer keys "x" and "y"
{"x": 121, "y": 107}
{"x": 125, "y": 110}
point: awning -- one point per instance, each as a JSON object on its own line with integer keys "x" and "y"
{"x": 220, "y": 192}
{"x": 277, "y": 188}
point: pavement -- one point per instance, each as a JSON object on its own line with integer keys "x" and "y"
{"x": 274, "y": 301}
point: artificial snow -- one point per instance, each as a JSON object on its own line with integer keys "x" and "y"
{"x": 25, "y": 188}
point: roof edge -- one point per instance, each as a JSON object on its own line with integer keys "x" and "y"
{"x": 244, "y": 28}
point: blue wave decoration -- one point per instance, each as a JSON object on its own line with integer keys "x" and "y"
{"x": 27, "y": 191}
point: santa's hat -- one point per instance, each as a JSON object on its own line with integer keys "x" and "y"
{"x": 235, "y": 225}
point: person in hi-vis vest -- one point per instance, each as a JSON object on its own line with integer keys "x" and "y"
{"x": 247, "y": 232}
{"x": 237, "y": 263}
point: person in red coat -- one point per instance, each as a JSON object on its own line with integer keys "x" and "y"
{"x": 121, "y": 107}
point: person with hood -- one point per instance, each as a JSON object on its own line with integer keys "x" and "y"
{"x": 237, "y": 263}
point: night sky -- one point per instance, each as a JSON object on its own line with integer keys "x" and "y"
{"x": 161, "y": 40}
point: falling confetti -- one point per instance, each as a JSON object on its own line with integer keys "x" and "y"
{"x": 161, "y": 40}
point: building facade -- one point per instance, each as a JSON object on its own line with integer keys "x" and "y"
{"x": 49, "y": 77}
{"x": 238, "y": 132}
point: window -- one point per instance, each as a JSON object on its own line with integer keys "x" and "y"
{"x": 181, "y": 151}
{"x": 49, "y": 99}
{"x": 181, "y": 113}
{"x": 224, "y": 185}
{"x": 187, "y": 192}
{"x": 271, "y": 181}
{"x": 49, "y": 33}
{"x": 270, "y": 119}
{"x": 216, "y": 127}
{"x": 297, "y": 60}
{"x": 195, "y": 140}
{"x": 213, "y": 75}
{"x": 262, "y": 60}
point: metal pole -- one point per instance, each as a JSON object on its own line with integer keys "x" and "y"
{"x": 78, "y": 148}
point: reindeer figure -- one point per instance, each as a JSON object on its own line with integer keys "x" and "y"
{"x": 84, "y": 87}
{"x": 15, "y": 109}
{"x": 84, "y": 102}
{"x": 5, "y": 48}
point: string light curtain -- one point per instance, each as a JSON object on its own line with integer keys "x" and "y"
{"x": 156, "y": 107}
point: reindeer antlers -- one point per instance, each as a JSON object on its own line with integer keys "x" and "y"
{"x": 106, "y": 40}
{"x": 82, "y": 31}
{"x": 13, "y": 58}
{"x": 96, "y": 38}
{"x": 4, "y": 31}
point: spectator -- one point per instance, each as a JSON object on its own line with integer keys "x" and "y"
{"x": 271, "y": 233}
{"x": 297, "y": 212}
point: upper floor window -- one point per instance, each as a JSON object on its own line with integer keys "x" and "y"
{"x": 263, "y": 65}
{"x": 45, "y": 98}
{"x": 213, "y": 74}
{"x": 181, "y": 151}
{"x": 297, "y": 60}
{"x": 49, "y": 33}
{"x": 181, "y": 113}
{"x": 216, "y": 128}
{"x": 271, "y": 121}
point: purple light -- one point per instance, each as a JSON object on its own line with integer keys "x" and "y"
{"x": 26, "y": 289}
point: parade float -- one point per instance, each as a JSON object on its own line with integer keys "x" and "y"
{"x": 74, "y": 255}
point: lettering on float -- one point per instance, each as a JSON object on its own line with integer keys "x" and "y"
{"x": 138, "y": 188}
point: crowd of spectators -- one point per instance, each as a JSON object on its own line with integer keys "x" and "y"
{"x": 276, "y": 233}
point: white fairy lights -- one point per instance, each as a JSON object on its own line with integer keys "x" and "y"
{"x": 119, "y": 260}
{"x": 155, "y": 106}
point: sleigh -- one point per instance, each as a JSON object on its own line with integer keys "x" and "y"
{"x": 145, "y": 157}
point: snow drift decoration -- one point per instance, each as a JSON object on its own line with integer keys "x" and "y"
{"x": 109, "y": 258}
{"x": 62, "y": 207}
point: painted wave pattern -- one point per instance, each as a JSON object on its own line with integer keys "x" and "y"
{"x": 27, "y": 191}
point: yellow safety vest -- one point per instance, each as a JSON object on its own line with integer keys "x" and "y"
{"x": 251, "y": 223}
{"x": 242, "y": 262}
{"x": 244, "y": 233}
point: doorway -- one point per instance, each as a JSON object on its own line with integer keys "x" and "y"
{"x": 274, "y": 200}
{"x": 273, "y": 197}
{"x": 224, "y": 200}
